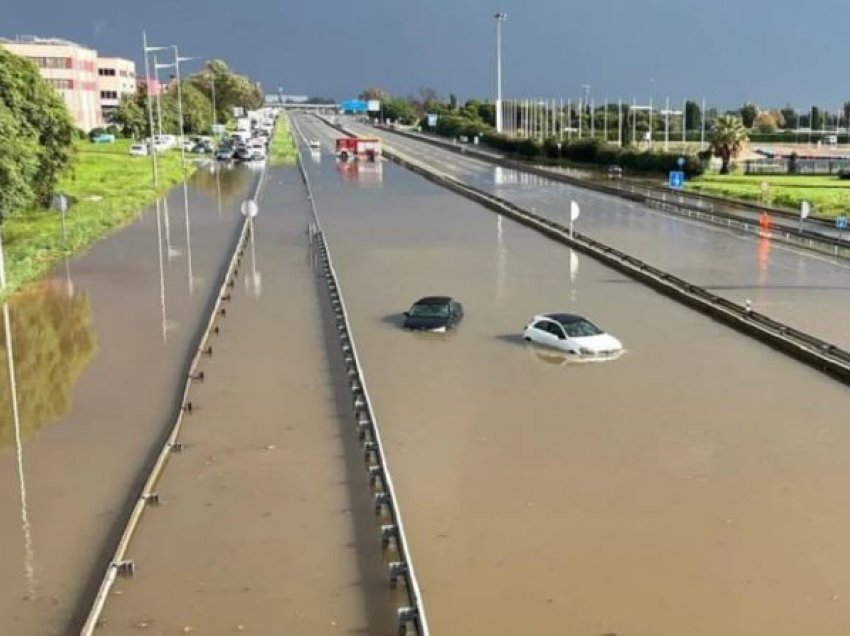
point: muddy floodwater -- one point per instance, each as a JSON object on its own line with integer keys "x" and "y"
{"x": 98, "y": 350}
{"x": 266, "y": 523}
{"x": 806, "y": 290}
{"x": 696, "y": 485}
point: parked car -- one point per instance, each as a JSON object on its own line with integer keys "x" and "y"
{"x": 615, "y": 172}
{"x": 315, "y": 143}
{"x": 571, "y": 333}
{"x": 243, "y": 154}
{"x": 258, "y": 154}
{"x": 224, "y": 154}
{"x": 433, "y": 313}
{"x": 138, "y": 150}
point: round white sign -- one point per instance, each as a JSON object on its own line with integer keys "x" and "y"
{"x": 250, "y": 208}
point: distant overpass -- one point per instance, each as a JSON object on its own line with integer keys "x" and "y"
{"x": 300, "y": 106}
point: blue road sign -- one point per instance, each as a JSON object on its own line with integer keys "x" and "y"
{"x": 677, "y": 179}
{"x": 841, "y": 222}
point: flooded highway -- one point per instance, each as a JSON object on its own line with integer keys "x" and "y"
{"x": 693, "y": 486}
{"x": 272, "y": 477}
{"x": 98, "y": 350}
{"x": 808, "y": 291}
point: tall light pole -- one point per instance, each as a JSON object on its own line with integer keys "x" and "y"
{"x": 152, "y": 149}
{"x": 176, "y": 66}
{"x": 500, "y": 18}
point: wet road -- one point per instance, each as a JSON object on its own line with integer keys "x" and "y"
{"x": 98, "y": 351}
{"x": 694, "y": 486}
{"x": 272, "y": 478}
{"x": 808, "y": 291}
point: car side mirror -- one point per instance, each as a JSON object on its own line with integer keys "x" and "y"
{"x": 407, "y": 314}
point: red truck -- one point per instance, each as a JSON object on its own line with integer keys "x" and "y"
{"x": 358, "y": 147}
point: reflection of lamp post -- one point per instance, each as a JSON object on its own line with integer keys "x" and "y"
{"x": 19, "y": 451}
{"x": 161, "y": 274}
{"x": 188, "y": 238}
{"x": 253, "y": 281}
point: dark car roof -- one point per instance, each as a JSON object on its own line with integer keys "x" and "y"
{"x": 565, "y": 319}
{"x": 434, "y": 300}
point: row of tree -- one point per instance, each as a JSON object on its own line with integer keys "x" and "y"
{"x": 208, "y": 96}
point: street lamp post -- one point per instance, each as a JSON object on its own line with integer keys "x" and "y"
{"x": 176, "y": 66}
{"x": 152, "y": 148}
{"x": 500, "y": 18}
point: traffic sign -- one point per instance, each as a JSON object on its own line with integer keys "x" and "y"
{"x": 680, "y": 162}
{"x": 574, "y": 210}
{"x": 805, "y": 209}
{"x": 841, "y": 222}
{"x": 677, "y": 179}
{"x": 249, "y": 208}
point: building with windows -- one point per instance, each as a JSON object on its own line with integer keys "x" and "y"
{"x": 91, "y": 86}
{"x": 115, "y": 77}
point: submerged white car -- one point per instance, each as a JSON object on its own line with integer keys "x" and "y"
{"x": 315, "y": 144}
{"x": 571, "y": 333}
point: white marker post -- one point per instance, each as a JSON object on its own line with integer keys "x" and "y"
{"x": 60, "y": 202}
{"x": 574, "y": 212}
{"x": 805, "y": 210}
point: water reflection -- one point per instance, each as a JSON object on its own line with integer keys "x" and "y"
{"x": 188, "y": 239}
{"x": 361, "y": 172}
{"x": 316, "y": 155}
{"x": 165, "y": 324}
{"x": 253, "y": 279}
{"x": 501, "y": 262}
{"x": 223, "y": 182}
{"x": 29, "y": 552}
{"x": 54, "y": 341}
{"x": 171, "y": 251}
{"x": 573, "y": 276}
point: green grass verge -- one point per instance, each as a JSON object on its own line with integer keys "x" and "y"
{"x": 829, "y": 195}
{"x": 107, "y": 188}
{"x": 283, "y": 151}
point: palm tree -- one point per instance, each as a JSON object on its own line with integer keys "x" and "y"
{"x": 728, "y": 137}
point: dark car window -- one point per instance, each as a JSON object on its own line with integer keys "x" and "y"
{"x": 542, "y": 326}
{"x": 556, "y": 330}
{"x": 429, "y": 311}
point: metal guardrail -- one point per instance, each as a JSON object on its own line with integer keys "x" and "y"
{"x": 646, "y": 193}
{"x": 120, "y": 564}
{"x": 818, "y": 353}
{"x": 394, "y": 540}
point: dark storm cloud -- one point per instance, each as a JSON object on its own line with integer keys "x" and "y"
{"x": 771, "y": 51}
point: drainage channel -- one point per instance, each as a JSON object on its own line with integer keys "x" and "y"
{"x": 397, "y": 552}
{"x": 121, "y": 564}
{"x": 819, "y": 354}
{"x": 693, "y": 206}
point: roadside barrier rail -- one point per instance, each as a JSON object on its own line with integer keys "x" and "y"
{"x": 397, "y": 551}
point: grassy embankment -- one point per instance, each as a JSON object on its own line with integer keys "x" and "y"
{"x": 106, "y": 187}
{"x": 829, "y": 195}
{"x": 282, "y": 150}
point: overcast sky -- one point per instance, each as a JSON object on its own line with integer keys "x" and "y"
{"x": 769, "y": 51}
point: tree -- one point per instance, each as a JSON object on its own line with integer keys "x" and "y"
{"x": 768, "y": 121}
{"x": 749, "y": 112}
{"x": 846, "y": 109}
{"x": 728, "y": 137}
{"x": 36, "y": 135}
{"x": 452, "y": 101}
{"x": 789, "y": 115}
{"x": 129, "y": 116}
{"x": 231, "y": 89}
{"x": 816, "y": 122}
{"x": 693, "y": 115}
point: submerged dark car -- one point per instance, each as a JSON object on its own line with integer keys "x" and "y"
{"x": 433, "y": 313}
